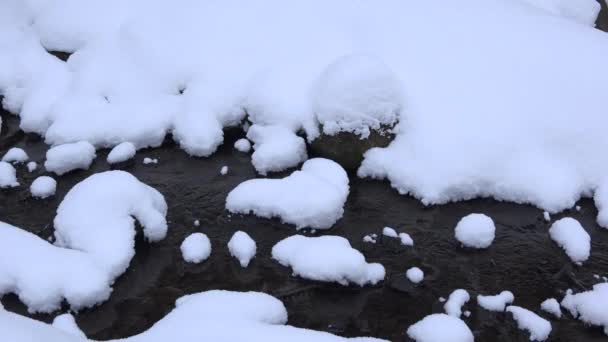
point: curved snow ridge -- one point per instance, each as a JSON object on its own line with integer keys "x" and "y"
{"x": 327, "y": 258}
{"x": 312, "y": 197}
{"x": 207, "y": 316}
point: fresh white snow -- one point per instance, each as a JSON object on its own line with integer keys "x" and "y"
{"x": 546, "y": 216}
{"x": 196, "y": 248}
{"x": 538, "y": 327}
{"x": 43, "y": 187}
{"x": 121, "y": 153}
{"x": 572, "y": 237}
{"x": 67, "y": 323}
{"x": 242, "y": 145}
{"x": 276, "y": 148}
{"x": 406, "y": 239}
{"x": 148, "y": 160}
{"x": 497, "y": 302}
{"x": 475, "y": 231}
{"x": 589, "y": 306}
{"x": 326, "y": 258}
{"x": 312, "y": 197}
{"x": 414, "y": 274}
{"x": 67, "y": 157}
{"x": 32, "y": 166}
{"x": 224, "y": 170}
{"x": 8, "y": 176}
{"x": 551, "y": 306}
{"x": 15, "y": 155}
{"x": 456, "y": 300}
{"x": 440, "y": 328}
{"x": 581, "y": 11}
{"x": 390, "y": 232}
{"x": 242, "y": 247}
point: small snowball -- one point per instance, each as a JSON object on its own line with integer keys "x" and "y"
{"x": 196, "y": 248}
{"x": 369, "y": 239}
{"x": 572, "y": 237}
{"x": 242, "y": 247}
{"x": 67, "y": 157}
{"x": 546, "y": 216}
{"x": 406, "y": 239}
{"x": 15, "y": 155}
{"x": 475, "y": 231}
{"x": 243, "y": 145}
{"x": 197, "y": 223}
{"x": 32, "y": 166}
{"x": 456, "y": 300}
{"x": 578, "y": 208}
{"x": 441, "y": 299}
{"x": 440, "y": 328}
{"x": 551, "y": 306}
{"x": 43, "y": 187}
{"x": 538, "y": 327}
{"x": 497, "y": 302}
{"x": 150, "y": 161}
{"x": 415, "y": 275}
{"x": 67, "y": 323}
{"x": 224, "y": 170}
{"x": 8, "y": 176}
{"x": 467, "y": 313}
{"x": 390, "y": 232}
{"x": 121, "y": 153}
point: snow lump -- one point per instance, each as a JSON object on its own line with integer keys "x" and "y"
{"x": 15, "y": 155}
{"x": 538, "y": 327}
{"x": 589, "y": 306}
{"x": 43, "y": 187}
{"x": 475, "y": 231}
{"x": 65, "y": 158}
{"x": 242, "y": 145}
{"x": 440, "y": 328}
{"x": 195, "y": 248}
{"x": 456, "y": 300}
{"x": 121, "y": 153}
{"x": 497, "y": 302}
{"x": 8, "y": 175}
{"x": 242, "y": 247}
{"x": 572, "y": 237}
{"x": 414, "y": 274}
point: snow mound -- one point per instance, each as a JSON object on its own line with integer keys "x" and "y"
{"x": 206, "y": 316}
{"x": 357, "y": 93}
{"x": 15, "y": 155}
{"x": 475, "y": 231}
{"x": 406, "y": 239}
{"x": 313, "y": 197}
{"x": 121, "y": 153}
{"x": 32, "y": 166}
{"x": 440, "y": 328}
{"x": 97, "y": 217}
{"x": 581, "y": 11}
{"x": 8, "y": 176}
{"x": 414, "y": 274}
{"x": 224, "y": 170}
{"x": 538, "y": 327}
{"x": 67, "y": 323}
{"x": 572, "y": 237}
{"x": 456, "y": 300}
{"x": 196, "y": 247}
{"x": 67, "y": 157}
{"x": 43, "y": 187}
{"x": 242, "y": 145}
{"x": 242, "y": 247}
{"x": 276, "y": 148}
{"x": 589, "y": 306}
{"x": 551, "y": 306}
{"x": 326, "y": 258}
{"x": 148, "y": 160}
{"x": 390, "y": 232}
{"x": 497, "y": 302}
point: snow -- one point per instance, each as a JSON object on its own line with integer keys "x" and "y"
{"x": 546, "y": 216}
{"x": 497, "y": 302}
{"x": 276, "y": 148}
{"x": 196, "y": 248}
{"x": 326, "y": 258}
{"x": 369, "y": 239}
{"x": 148, "y": 160}
{"x": 32, "y": 166}
{"x": 551, "y": 306}
{"x": 538, "y": 327}
{"x": 242, "y": 247}
{"x": 406, "y": 239}
{"x": 600, "y": 198}
{"x": 197, "y": 223}
{"x": 572, "y": 237}
{"x": 206, "y": 316}
{"x": 121, "y": 153}
{"x": 224, "y": 170}
{"x": 440, "y": 328}
{"x": 589, "y": 306}
{"x": 15, "y": 155}
{"x": 414, "y": 274}
{"x": 312, "y": 197}
{"x": 66, "y": 323}
{"x": 581, "y": 11}
{"x": 390, "y": 232}
{"x": 475, "y": 231}
{"x": 8, "y": 176}
{"x": 43, "y": 187}
{"x": 242, "y": 145}
{"x": 67, "y": 157}
{"x": 456, "y": 300}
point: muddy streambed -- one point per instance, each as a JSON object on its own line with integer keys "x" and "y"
{"x": 522, "y": 258}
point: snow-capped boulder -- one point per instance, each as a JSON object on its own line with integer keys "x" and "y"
{"x": 196, "y": 248}
{"x": 15, "y": 155}
{"x": 497, "y": 302}
{"x": 475, "y": 231}
{"x": 573, "y": 238}
{"x": 456, "y": 300}
{"x": 440, "y": 327}
{"x": 121, "y": 153}
{"x": 538, "y": 327}
{"x": 242, "y": 247}
{"x": 43, "y": 187}
{"x": 67, "y": 157}
{"x": 589, "y": 306}
{"x": 8, "y": 176}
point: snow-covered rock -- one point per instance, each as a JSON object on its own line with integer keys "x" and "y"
{"x": 497, "y": 302}
{"x": 67, "y": 157}
{"x": 326, "y": 258}
{"x": 600, "y": 197}
{"x": 224, "y": 170}
{"x": 313, "y": 197}
{"x": 196, "y": 248}
{"x": 15, "y": 155}
{"x": 573, "y": 238}
{"x": 121, "y": 153}
{"x": 8, "y": 176}
{"x": 148, "y": 160}
{"x": 242, "y": 247}
{"x": 551, "y": 306}
{"x": 415, "y": 275}
{"x": 440, "y": 328}
{"x": 242, "y": 145}
{"x": 589, "y": 306}
{"x": 67, "y": 323}
{"x": 390, "y": 232}
{"x": 276, "y": 148}
{"x": 43, "y": 187}
{"x": 456, "y": 300}
{"x": 538, "y": 327}
{"x": 406, "y": 239}
{"x": 32, "y": 166}
{"x": 475, "y": 231}
{"x": 581, "y": 11}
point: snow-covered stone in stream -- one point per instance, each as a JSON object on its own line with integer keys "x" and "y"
{"x": 538, "y": 327}
{"x": 439, "y": 328}
{"x": 390, "y": 232}
{"x": 15, "y": 155}
{"x": 242, "y": 247}
{"x": 197, "y": 223}
{"x": 497, "y": 302}
{"x": 43, "y": 187}
{"x": 67, "y": 157}
{"x": 224, "y": 170}
{"x": 206, "y": 316}
{"x": 196, "y": 248}
{"x": 276, "y": 148}
{"x": 148, "y": 160}
{"x": 600, "y": 197}
{"x": 456, "y": 300}
{"x": 121, "y": 153}
{"x": 415, "y": 275}
{"x": 582, "y": 11}
{"x": 589, "y": 306}
{"x": 369, "y": 239}
{"x": 551, "y": 306}
{"x": 313, "y": 197}
{"x": 546, "y": 216}
{"x": 326, "y": 258}
{"x": 475, "y": 231}
{"x": 572, "y": 237}
{"x": 242, "y": 145}
{"x": 406, "y": 239}
{"x": 67, "y": 323}
{"x": 32, "y": 166}
{"x": 8, "y": 176}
